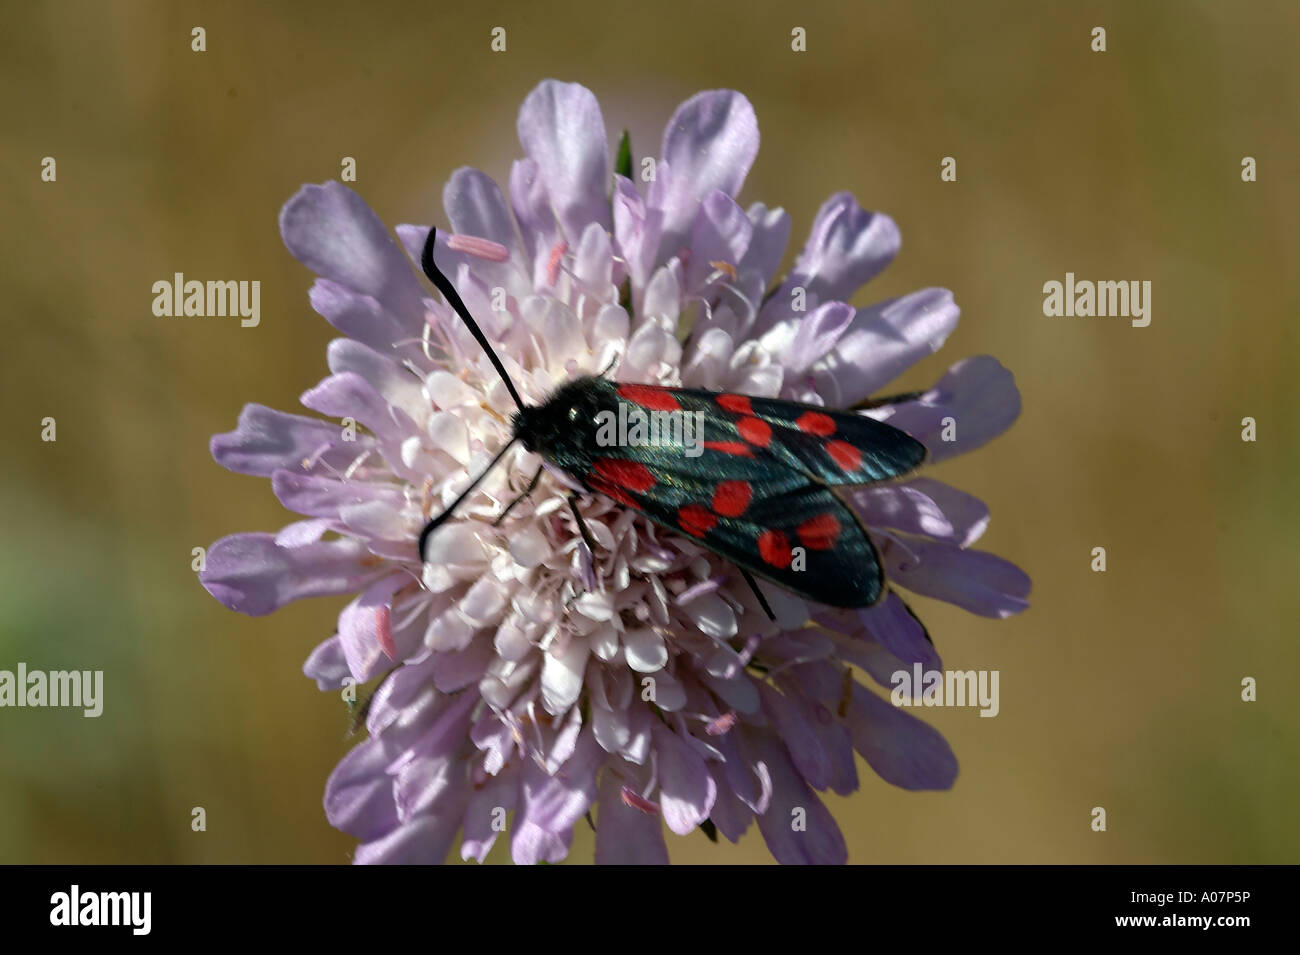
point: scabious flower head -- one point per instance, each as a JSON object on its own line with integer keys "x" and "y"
{"x": 524, "y": 676}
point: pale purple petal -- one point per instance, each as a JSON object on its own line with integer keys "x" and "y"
{"x": 593, "y": 262}
{"x": 443, "y": 734}
{"x": 475, "y": 207}
{"x": 974, "y": 580}
{"x": 387, "y": 377}
{"x": 749, "y": 781}
{"x": 252, "y": 574}
{"x": 864, "y": 652}
{"x": 729, "y": 814}
{"x": 637, "y": 230}
{"x": 923, "y": 506}
{"x": 266, "y": 439}
{"x": 687, "y": 789}
{"x": 562, "y": 673}
{"x": 532, "y": 209}
{"x": 721, "y": 234}
{"x": 458, "y": 669}
{"x": 884, "y": 340}
{"x": 624, "y": 835}
{"x": 425, "y": 840}
{"x": 321, "y": 496}
{"x": 847, "y": 248}
{"x": 424, "y": 783}
{"x": 819, "y": 842}
{"x": 709, "y": 143}
{"x": 768, "y": 243}
{"x": 364, "y": 628}
{"x": 892, "y": 625}
{"x": 358, "y": 316}
{"x": 901, "y": 749}
{"x": 359, "y": 793}
{"x": 531, "y": 844}
{"x": 815, "y": 335}
{"x": 498, "y": 794}
{"x": 791, "y": 723}
{"x": 966, "y": 514}
{"x": 558, "y": 801}
{"x": 403, "y": 693}
{"x": 302, "y": 533}
{"x": 975, "y": 401}
{"x": 350, "y": 396}
{"x": 901, "y": 507}
{"x": 327, "y": 665}
{"x": 562, "y": 130}
{"x": 331, "y": 230}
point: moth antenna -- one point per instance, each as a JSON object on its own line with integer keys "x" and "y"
{"x": 438, "y": 521}
{"x": 762, "y": 601}
{"x": 449, "y": 292}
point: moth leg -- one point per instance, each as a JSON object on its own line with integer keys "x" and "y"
{"x": 762, "y": 601}
{"x": 867, "y": 403}
{"x": 532, "y": 486}
{"x": 586, "y": 550}
{"x": 582, "y": 525}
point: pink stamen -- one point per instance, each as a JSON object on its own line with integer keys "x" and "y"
{"x": 633, "y": 801}
{"x": 479, "y": 248}
{"x": 385, "y": 632}
{"x": 723, "y": 723}
{"x": 553, "y": 262}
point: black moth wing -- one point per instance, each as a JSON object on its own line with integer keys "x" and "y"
{"x": 772, "y": 540}
{"x": 836, "y": 447}
{"x": 757, "y": 492}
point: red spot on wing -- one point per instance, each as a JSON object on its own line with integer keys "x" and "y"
{"x": 845, "y": 455}
{"x": 814, "y": 422}
{"x": 729, "y": 447}
{"x": 774, "y": 547}
{"x": 696, "y": 520}
{"x": 820, "y": 533}
{"x": 755, "y": 431}
{"x": 730, "y": 498}
{"x": 632, "y": 475}
{"x": 654, "y": 399}
{"x": 610, "y": 490}
{"x": 737, "y": 404}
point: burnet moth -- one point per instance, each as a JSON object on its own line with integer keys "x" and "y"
{"x": 758, "y": 489}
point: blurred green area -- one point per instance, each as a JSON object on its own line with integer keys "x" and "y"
{"x": 1119, "y": 690}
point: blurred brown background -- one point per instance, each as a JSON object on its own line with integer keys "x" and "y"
{"x": 1119, "y": 690}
